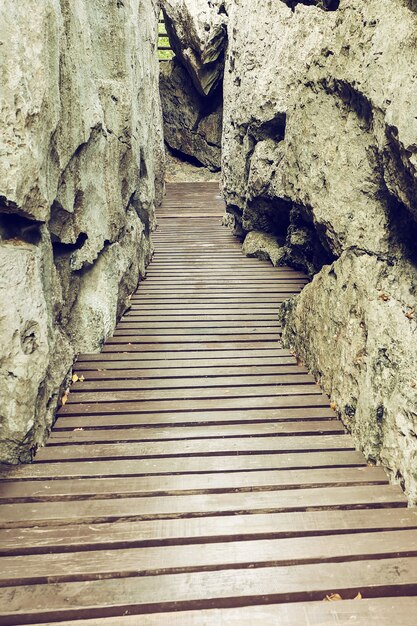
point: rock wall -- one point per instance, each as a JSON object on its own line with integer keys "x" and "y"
{"x": 320, "y": 152}
{"x": 81, "y": 168}
{"x": 192, "y": 123}
{"x": 190, "y": 85}
{"x": 197, "y": 33}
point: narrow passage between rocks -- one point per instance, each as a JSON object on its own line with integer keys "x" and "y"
{"x": 198, "y": 469}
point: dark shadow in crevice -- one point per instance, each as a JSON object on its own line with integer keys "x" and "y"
{"x": 270, "y": 215}
{"x": 18, "y": 228}
{"x": 326, "y": 5}
{"x": 182, "y": 156}
{"x": 398, "y": 170}
{"x": 403, "y": 229}
{"x": 141, "y": 211}
{"x": 353, "y": 99}
{"x": 411, "y": 4}
{"x": 273, "y": 128}
{"x": 306, "y": 246}
{"x": 61, "y": 249}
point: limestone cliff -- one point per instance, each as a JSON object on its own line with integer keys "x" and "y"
{"x": 320, "y": 151}
{"x": 197, "y": 33}
{"x": 81, "y": 160}
{"x": 192, "y": 123}
{"x": 190, "y": 85}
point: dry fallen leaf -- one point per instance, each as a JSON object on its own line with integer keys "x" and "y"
{"x": 358, "y": 597}
{"x": 333, "y": 406}
{"x": 81, "y": 379}
{"x": 413, "y": 384}
{"x": 64, "y": 398}
{"x": 76, "y": 429}
{"x": 410, "y": 314}
{"x": 385, "y": 297}
{"x": 333, "y": 597}
{"x": 74, "y": 378}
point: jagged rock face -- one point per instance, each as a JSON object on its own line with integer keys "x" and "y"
{"x": 354, "y": 327}
{"x": 263, "y": 246}
{"x": 331, "y": 121}
{"x": 192, "y": 123}
{"x": 197, "y": 33}
{"x": 264, "y": 64}
{"x": 81, "y": 161}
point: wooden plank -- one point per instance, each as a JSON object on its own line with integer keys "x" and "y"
{"x": 58, "y": 489}
{"x": 381, "y": 611}
{"x": 150, "y": 561}
{"x": 219, "y": 589}
{"x": 212, "y": 290}
{"x": 220, "y": 299}
{"x": 199, "y": 307}
{"x": 196, "y": 447}
{"x": 231, "y": 307}
{"x": 130, "y": 330}
{"x": 255, "y": 269}
{"x": 131, "y": 361}
{"x": 204, "y": 431}
{"x": 185, "y": 339}
{"x": 185, "y": 465}
{"x": 195, "y": 328}
{"x": 209, "y": 282}
{"x": 210, "y": 310}
{"x": 209, "y": 373}
{"x": 19, "y": 541}
{"x": 297, "y": 378}
{"x": 267, "y": 353}
{"x": 216, "y": 320}
{"x": 188, "y": 393}
{"x": 210, "y": 404}
{"x": 219, "y": 349}
{"x": 249, "y": 284}
{"x": 184, "y": 506}
{"x": 179, "y": 418}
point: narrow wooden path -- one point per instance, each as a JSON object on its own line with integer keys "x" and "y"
{"x": 197, "y": 476}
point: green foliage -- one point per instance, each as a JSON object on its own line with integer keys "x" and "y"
{"x": 163, "y": 42}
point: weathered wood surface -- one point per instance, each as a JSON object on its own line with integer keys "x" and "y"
{"x": 197, "y": 475}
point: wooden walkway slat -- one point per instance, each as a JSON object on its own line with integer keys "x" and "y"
{"x": 151, "y": 561}
{"x": 136, "y": 486}
{"x": 378, "y": 611}
{"x": 202, "y": 590}
{"x": 197, "y": 475}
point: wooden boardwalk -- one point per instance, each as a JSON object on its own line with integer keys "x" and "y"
{"x": 198, "y": 476}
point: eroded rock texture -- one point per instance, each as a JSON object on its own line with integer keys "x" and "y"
{"x": 81, "y": 160}
{"x": 197, "y": 32}
{"x": 191, "y": 84}
{"x": 192, "y": 123}
{"x": 320, "y": 149}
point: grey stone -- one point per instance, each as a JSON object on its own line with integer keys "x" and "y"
{"x": 180, "y": 171}
{"x": 354, "y": 327}
{"x": 192, "y": 124}
{"x": 81, "y": 169}
{"x": 319, "y": 125}
{"x": 197, "y": 33}
{"x": 264, "y": 246}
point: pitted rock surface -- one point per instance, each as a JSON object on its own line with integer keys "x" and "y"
{"x": 319, "y": 150}
{"x": 81, "y": 169}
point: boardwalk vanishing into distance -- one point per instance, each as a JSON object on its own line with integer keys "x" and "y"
{"x": 197, "y": 475}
